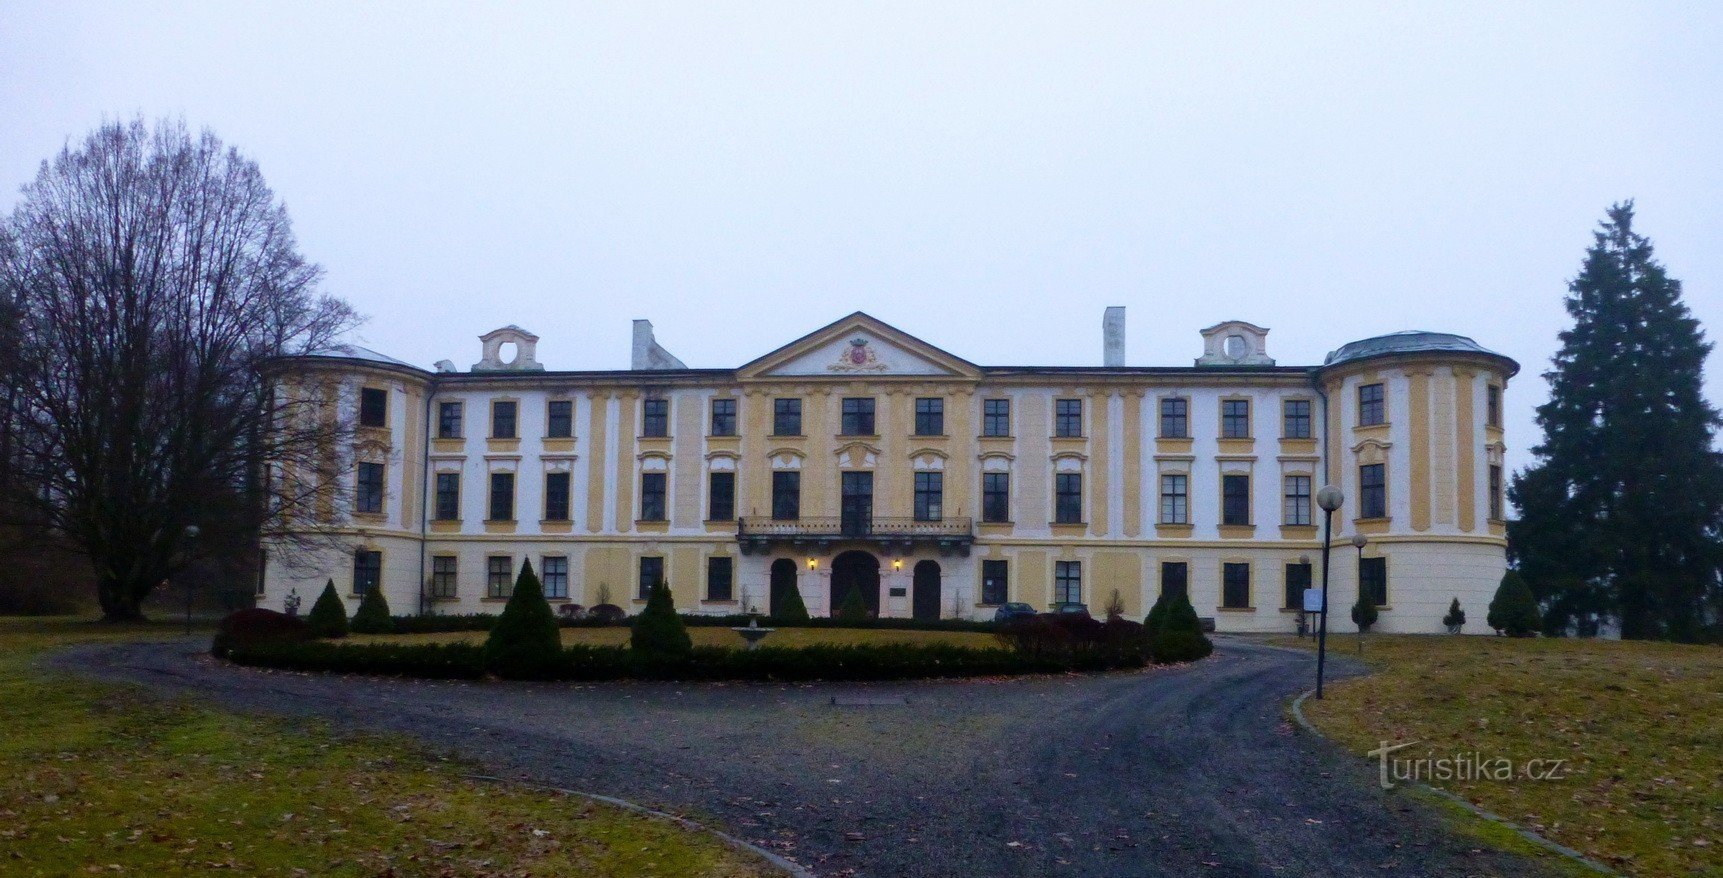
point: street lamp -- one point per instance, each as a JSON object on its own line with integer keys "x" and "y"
{"x": 191, "y": 532}
{"x": 1359, "y": 541}
{"x": 1329, "y": 498}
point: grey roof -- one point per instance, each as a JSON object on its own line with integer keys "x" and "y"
{"x": 355, "y": 352}
{"x": 1411, "y": 341}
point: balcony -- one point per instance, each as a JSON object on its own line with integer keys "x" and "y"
{"x": 950, "y": 536}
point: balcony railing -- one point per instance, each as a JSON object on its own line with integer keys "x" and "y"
{"x": 947, "y": 534}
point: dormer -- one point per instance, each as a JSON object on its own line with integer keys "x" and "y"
{"x": 523, "y": 350}
{"x": 1235, "y": 343}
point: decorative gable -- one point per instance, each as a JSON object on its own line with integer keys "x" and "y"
{"x": 858, "y": 345}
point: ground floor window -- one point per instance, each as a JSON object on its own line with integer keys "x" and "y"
{"x": 499, "y": 576}
{"x": 1297, "y": 580}
{"x": 1068, "y": 582}
{"x": 1373, "y": 580}
{"x": 555, "y": 576}
{"x": 367, "y": 570}
{"x": 1175, "y": 580}
{"x": 1235, "y": 585}
{"x": 720, "y": 578}
{"x": 651, "y": 573}
{"x": 442, "y": 577}
{"x": 994, "y": 589}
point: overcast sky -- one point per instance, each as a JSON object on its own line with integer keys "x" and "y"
{"x": 987, "y": 177}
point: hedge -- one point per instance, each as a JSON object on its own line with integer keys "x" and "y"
{"x": 484, "y": 622}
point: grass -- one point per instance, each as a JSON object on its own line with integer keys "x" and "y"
{"x": 98, "y": 778}
{"x": 617, "y": 635}
{"x": 1638, "y": 725}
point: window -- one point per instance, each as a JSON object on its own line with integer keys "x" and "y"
{"x": 930, "y": 417}
{"x": 651, "y": 573}
{"x": 1370, "y": 405}
{"x": 995, "y": 497}
{"x": 1493, "y": 405}
{"x": 1175, "y": 418}
{"x": 373, "y": 407}
{"x": 1235, "y": 499}
{"x": 442, "y": 577}
{"x": 858, "y": 416}
{"x": 1297, "y": 580}
{"x": 929, "y": 496}
{"x": 1372, "y": 491}
{"x": 720, "y": 579}
{"x": 504, "y": 413}
{"x": 449, "y": 416}
{"x": 1068, "y": 417}
{"x": 1068, "y": 498}
{"x": 994, "y": 586}
{"x": 652, "y": 496}
{"x": 721, "y": 496}
{"x": 1295, "y": 502}
{"x": 1175, "y": 579}
{"x": 559, "y": 419}
{"x": 1235, "y": 419}
{"x": 1068, "y": 582}
{"x": 1373, "y": 580}
{"x": 996, "y": 417}
{"x": 556, "y": 496}
{"x": 723, "y": 417}
{"x": 367, "y": 570}
{"x": 448, "y": 496}
{"x": 1496, "y": 491}
{"x": 1175, "y": 499}
{"x": 786, "y": 495}
{"x": 499, "y": 576}
{"x": 655, "y": 417}
{"x": 1295, "y": 419}
{"x": 502, "y": 497}
{"x": 555, "y": 576}
{"x": 786, "y": 417}
{"x": 1235, "y": 586}
{"x": 369, "y": 496}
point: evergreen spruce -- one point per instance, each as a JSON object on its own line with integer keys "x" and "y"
{"x": 1364, "y": 614}
{"x": 658, "y": 630}
{"x": 525, "y": 643}
{"x": 1157, "y": 615}
{"x": 1513, "y": 611}
{"x": 1456, "y": 618}
{"x": 792, "y": 608}
{"x": 1179, "y": 637}
{"x": 373, "y": 617}
{"x": 329, "y": 615}
{"x": 853, "y": 608}
{"x": 1622, "y": 513}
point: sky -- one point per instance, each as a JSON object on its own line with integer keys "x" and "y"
{"x": 985, "y": 176}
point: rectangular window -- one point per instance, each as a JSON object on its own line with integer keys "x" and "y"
{"x": 1068, "y": 417}
{"x": 1068, "y": 498}
{"x": 1370, "y": 405}
{"x": 995, "y": 589}
{"x": 1372, "y": 491}
{"x": 786, "y": 495}
{"x": 786, "y": 417}
{"x": 652, "y": 496}
{"x": 858, "y": 416}
{"x": 651, "y": 573}
{"x": 721, "y": 497}
{"x": 1493, "y": 405}
{"x": 504, "y": 415}
{"x": 1496, "y": 492}
{"x": 929, "y": 496}
{"x": 1235, "y": 419}
{"x": 1175, "y": 418}
{"x": 1068, "y": 582}
{"x": 373, "y": 407}
{"x": 449, "y": 416}
{"x": 1295, "y": 419}
{"x": 723, "y": 417}
{"x": 655, "y": 417}
{"x": 720, "y": 579}
{"x": 1297, "y": 580}
{"x": 996, "y": 417}
{"x": 367, "y": 570}
{"x": 448, "y": 496}
{"x": 995, "y": 497}
{"x": 555, "y": 576}
{"x": 559, "y": 419}
{"x": 930, "y": 417}
{"x": 1235, "y": 499}
{"x": 1295, "y": 502}
{"x": 369, "y": 496}
{"x": 502, "y": 497}
{"x": 499, "y": 576}
{"x": 556, "y": 496}
{"x": 1175, "y": 579}
{"x": 442, "y": 577}
{"x": 1175, "y": 499}
{"x": 1235, "y": 586}
{"x": 1373, "y": 580}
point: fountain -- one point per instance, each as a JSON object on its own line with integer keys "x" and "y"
{"x": 752, "y": 632}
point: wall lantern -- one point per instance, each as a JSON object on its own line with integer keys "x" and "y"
{"x": 897, "y": 564}
{"x": 813, "y": 563}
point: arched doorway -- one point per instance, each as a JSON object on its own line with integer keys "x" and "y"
{"x": 783, "y": 585}
{"x": 924, "y": 600}
{"x": 858, "y": 571}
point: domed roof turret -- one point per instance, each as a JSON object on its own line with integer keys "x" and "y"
{"x": 1413, "y": 341}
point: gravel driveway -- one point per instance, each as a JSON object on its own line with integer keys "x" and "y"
{"x": 1182, "y": 771}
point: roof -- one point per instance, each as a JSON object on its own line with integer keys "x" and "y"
{"x": 355, "y": 352}
{"x": 1411, "y": 341}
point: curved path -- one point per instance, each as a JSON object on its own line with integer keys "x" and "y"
{"x": 1183, "y": 771}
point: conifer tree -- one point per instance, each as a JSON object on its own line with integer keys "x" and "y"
{"x": 659, "y": 631}
{"x": 1621, "y": 514}
{"x": 1456, "y": 618}
{"x": 329, "y": 615}
{"x": 373, "y": 617}
{"x": 853, "y": 608}
{"x": 1513, "y": 611}
{"x": 792, "y": 608}
{"x": 525, "y": 643}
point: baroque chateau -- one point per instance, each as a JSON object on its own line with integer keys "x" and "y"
{"x": 859, "y": 457}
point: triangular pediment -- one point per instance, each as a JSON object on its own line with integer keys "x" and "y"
{"x": 859, "y": 346}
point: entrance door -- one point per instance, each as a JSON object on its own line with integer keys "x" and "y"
{"x": 855, "y": 572}
{"x": 857, "y": 504}
{"x": 924, "y": 602}
{"x": 783, "y": 585}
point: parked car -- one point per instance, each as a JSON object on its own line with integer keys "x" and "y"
{"x": 1071, "y": 607}
{"x": 1011, "y": 611}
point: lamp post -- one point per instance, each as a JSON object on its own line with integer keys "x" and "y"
{"x": 1359, "y": 541}
{"x": 191, "y": 532}
{"x": 1329, "y": 498}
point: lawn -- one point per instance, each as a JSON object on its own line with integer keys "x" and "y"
{"x": 97, "y": 778}
{"x": 617, "y": 635}
{"x": 1639, "y": 725}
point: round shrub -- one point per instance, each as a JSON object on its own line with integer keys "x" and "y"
{"x": 329, "y": 615}
{"x": 658, "y": 631}
{"x": 256, "y": 626}
{"x": 1364, "y": 613}
{"x": 1171, "y": 647}
{"x": 525, "y": 643}
{"x": 1514, "y": 611}
{"x": 373, "y": 617}
{"x": 606, "y": 614}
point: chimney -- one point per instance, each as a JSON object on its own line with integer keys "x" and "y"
{"x": 1113, "y": 337}
{"x": 647, "y": 353}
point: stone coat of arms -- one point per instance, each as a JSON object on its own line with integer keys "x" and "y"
{"x": 858, "y": 357}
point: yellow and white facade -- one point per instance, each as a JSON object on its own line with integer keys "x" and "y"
{"x": 930, "y": 485}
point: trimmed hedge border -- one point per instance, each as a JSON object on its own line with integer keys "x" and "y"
{"x": 484, "y": 622}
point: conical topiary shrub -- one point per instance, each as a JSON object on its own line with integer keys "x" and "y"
{"x": 1364, "y": 614}
{"x": 329, "y": 615}
{"x": 658, "y": 631}
{"x": 1180, "y": 637}
{"x": 525, "y": 643}
{"x": 1157, "y": 615}
{"x": 853, "y": 608}
{"x": 792, "y": 608}
{"x": 1514, "y": 611}
{"x": 373, "y": 617}
{"x": 1456, "y": 618}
